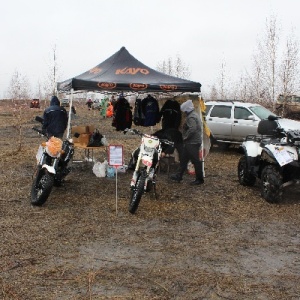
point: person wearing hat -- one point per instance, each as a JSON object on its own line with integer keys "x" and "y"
{"x": 55, "y": 119}
{"x": 192, "y": 139}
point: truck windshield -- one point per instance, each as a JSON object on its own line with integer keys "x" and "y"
{"x": 261, "y": 112}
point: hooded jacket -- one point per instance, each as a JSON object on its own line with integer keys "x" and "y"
{"x": 192, "y": 128}
{"x": 55, "y": 119}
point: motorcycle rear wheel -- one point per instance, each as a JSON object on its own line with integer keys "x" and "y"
{"x": 271, "y": 182}
{"x": 137, "y": 193}
{"x": 245, "y": 178}
{"x": 41, "y": 187}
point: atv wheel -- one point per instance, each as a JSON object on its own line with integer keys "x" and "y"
{"x": 271, "y": 182}
{"x": 245, "y": 178}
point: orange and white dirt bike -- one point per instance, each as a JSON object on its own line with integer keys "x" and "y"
{"x": 146, "y": 160}
{"x": 53, "y": 158}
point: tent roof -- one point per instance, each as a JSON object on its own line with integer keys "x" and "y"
{"x": 123, "y": 72}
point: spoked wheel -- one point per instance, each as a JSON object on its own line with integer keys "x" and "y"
{"x": 41, "y": 187}
{"x": 243, "y": 174}
{"x": 271, "y": 182}
{"x": 137, "y": 192}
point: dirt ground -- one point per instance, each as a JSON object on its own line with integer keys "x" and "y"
{"x": 216, "y": 241}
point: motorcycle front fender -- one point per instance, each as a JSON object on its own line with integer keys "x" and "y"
{"x": 50, "y": 169}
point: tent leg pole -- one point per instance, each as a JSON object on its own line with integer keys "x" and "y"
{"x": 70, "y": 115}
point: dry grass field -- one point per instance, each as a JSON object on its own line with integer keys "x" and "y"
{"x": 216, "y": 241}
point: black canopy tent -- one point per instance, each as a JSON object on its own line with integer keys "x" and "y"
{"x": 123, "y": 72}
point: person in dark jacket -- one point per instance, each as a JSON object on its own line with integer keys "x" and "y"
{"x": 55, "y": 119}
{"x": 192, "y": 139}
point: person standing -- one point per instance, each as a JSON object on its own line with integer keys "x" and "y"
{"x": 55, "y": 119}
{"x": 192, "y": 139}
{"x": 104, "y": 105}
{"x": 89, "y": 104}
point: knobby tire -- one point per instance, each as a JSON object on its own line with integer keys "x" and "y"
{"x": 245, "y": 178}
{"x": 41, "y": 187}
{"x": 271, "y": 184}
{"x": 137, "y": 193}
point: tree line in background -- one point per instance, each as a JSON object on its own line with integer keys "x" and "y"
{"x": 20, "y": 89}
{"x": 274, "y": 72}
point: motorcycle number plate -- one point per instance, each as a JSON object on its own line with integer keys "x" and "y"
{"x": 147, "y": 161}
{"x": 39, "y": 153}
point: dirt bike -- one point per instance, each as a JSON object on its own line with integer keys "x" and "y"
{"x": 53, "y": 157}
{"x": 273, "y": 156}
{"x": 146, "y": 161}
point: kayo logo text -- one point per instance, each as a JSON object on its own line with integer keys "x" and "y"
{"x": 131, "y": 71}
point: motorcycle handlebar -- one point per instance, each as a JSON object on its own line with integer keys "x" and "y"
{"x": 135, "y": 131}
{"x": 167, "y": 142}
{"x": 41, "y": 132}
{"x": 39, "y": 119}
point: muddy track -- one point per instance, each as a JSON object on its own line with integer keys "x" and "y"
{"x": 217, "y": 241}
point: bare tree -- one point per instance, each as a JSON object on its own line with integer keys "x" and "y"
{"x": 267, "y": 78}
{"x": 213, "y": 93}
{"x": 257, "y": 82}
{"x": 50, "y": 82}
{"x": 267, "y": 62}
{"x": 289, "y": 68}
{"x": 174, "y": 67}
{"x": 19, "y": 91}
{"x": 181, "y": 69}
{"x": 222, "y": 82}
{"x": 240, "y": 89}
{"x": 19, "y": 87}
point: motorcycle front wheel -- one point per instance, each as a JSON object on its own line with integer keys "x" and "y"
{"x": 41, "y": 187}
{"x": 137, "y": 192}
{"x": 271, "y": 182}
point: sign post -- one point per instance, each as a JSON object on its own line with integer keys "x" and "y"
{"x": 116, "y": 159}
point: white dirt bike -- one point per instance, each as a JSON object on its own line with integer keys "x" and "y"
{"x": 146, "y": 161}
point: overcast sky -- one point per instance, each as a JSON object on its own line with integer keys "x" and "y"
{"x": 203, "y": 33}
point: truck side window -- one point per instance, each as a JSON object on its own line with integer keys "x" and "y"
{"x": 241, "y": 113}
{"x": 221, "y": 111}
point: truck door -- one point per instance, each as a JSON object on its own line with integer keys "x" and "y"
{"x": 220, "y": 122}
{"x": 244, "y": 123}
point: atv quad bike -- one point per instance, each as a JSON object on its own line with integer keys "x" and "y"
{"x": 273, "y": 156}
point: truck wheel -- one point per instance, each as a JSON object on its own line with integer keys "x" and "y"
{"x": 245, "y": 178}
{"x": 271, "y": 182}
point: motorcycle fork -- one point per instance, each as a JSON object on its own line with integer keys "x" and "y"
{"x": 154, "y": 183}
{"x": 135, "y": 172}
